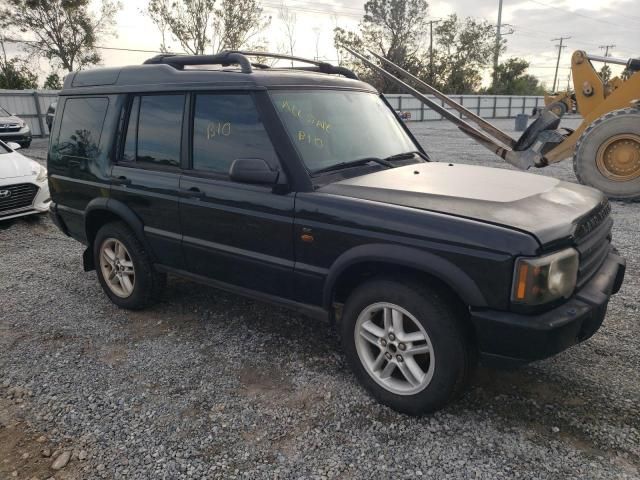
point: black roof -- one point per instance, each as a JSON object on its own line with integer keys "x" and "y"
{"x": 172, "y": 72}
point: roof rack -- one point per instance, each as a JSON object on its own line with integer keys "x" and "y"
{"x": 230, "y": 57}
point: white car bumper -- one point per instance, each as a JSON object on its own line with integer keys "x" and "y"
{"x": 21, "y": 201}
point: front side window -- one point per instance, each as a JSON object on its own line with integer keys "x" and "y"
{"x": 226, "y": 127}
{"x": 154, "y": 130}
{"x": 81, "y": 127}
{"x": 333, "y": 127}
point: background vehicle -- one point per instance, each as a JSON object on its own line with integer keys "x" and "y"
{"x": 605, "y": 147}
{"x": 14, "y": 129}
{"x": 23, "y": 184}
{"x": 51, "y": 112}
{"x": 303, "y": 188}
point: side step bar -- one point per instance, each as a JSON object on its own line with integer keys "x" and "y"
{"x": 487, "y": 135}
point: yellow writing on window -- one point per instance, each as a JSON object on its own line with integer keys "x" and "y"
{"x": 308, "y": 118}
{"x": 218, "y": 129}
{"x": 306, "y": 137}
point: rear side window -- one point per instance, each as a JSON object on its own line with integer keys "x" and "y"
{"x": 81, "y": 127}
{"x": 154, "y": 130}
{"x": 226, "y": 127}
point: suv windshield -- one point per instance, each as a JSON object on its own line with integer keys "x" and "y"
{"x": 338, "y": 127}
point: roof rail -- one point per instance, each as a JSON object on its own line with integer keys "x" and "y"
{"x": 240, "y": 57}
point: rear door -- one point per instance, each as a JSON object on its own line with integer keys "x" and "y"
{"x": 238, "y": 234}
{"x": 147, "y": 174}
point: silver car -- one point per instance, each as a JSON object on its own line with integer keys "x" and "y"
{"x": 14, "y": 129}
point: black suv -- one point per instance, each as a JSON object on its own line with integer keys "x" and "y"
{"x": 302, "y": 187}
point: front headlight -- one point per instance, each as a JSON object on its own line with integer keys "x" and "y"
{"x": 543, "y": 279}
{"x": 42, "y": 174}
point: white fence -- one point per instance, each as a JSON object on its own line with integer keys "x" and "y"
{"x": 487, "y": 106}
{"x": 31, "y": 106}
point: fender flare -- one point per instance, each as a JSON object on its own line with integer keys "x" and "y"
{"x": 118, "y": 208}
{"x": 409, "y": 257}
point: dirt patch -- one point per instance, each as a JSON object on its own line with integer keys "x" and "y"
{"x": 21, "y": 449}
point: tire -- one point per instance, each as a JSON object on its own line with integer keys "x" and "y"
{"x": 146, "y": 283}
{"x": 592, "y": 145}
{"x": 25, "y": 144}
{"x": 422, "y": 310}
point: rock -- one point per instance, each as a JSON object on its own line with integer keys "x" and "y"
{"x": 41, "y": 439}
{"x": 82, "y": 455}
{"x": 555, "y": 429}
{"x": 46, "y": 452}
{"x": 61, "y": 461}
{"x": 25, "y": 455}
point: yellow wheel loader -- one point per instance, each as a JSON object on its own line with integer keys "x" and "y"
{"x": 605, "y": 147}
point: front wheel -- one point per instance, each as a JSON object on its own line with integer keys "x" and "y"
{"x": 406, "y": 344}
{"x": 607, "y": 155}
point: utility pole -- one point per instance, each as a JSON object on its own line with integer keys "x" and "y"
{"x": 498, "y": 42}
{"x": 431, "y": 22}
{"x": 606, "y": 49}
{"x": 560, "y": 47}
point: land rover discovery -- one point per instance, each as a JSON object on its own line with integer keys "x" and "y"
{"x": 301, "y": 186}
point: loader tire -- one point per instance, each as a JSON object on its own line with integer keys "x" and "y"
{"x": 607, "y": 155}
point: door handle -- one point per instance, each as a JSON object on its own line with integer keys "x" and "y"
{"x": 194, "y": 192}
{"x": 121, "y": 181}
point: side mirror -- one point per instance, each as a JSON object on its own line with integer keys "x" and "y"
{"x": 252, "y": 170}
{"x": 14, "y": 145}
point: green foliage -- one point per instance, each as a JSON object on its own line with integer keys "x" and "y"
{"x": 16, "y": 75}
{"x": 605, "y": 73}
{"x": 393, "y": 29}
{"x": 53, "y": 82}
{"x": 463, "y": 49}
{"x": 193, "y": 23}
{"x": 511, "y": 79}
{"x": 396, "y": 29}
{"x": 65, "y": 31}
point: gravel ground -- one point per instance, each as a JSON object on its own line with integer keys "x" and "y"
{"x": 211, "y": 385}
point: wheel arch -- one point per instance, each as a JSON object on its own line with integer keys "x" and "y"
{"x": 354, "y": 264}
{"x": 104, "y": 210}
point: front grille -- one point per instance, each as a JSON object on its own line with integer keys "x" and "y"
{"x": 593, "y": 246}
{"x": 9, "y": 127}
{"x": 18, "y": 196}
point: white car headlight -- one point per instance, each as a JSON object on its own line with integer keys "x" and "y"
{"x": 543, "y": 279}
{"x": 42, "y": 174}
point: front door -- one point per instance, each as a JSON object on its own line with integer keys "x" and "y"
{"x": 234, "y": 233}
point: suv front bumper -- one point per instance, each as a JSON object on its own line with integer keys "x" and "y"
{"x": 507, "y": 338}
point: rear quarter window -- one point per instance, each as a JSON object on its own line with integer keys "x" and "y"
{"x": 81, "y": 128}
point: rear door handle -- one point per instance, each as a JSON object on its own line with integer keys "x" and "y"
{"x": 121, "y": 181}
{"x": 194, "y": 192}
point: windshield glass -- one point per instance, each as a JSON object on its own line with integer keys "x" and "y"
{"x": 331, "y": 127}
{"x": 4, "y": 113}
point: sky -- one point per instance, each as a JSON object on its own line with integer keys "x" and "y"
{"x": 534, "y": 23}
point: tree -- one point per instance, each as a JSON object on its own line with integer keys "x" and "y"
{"x": 288, "y": 20}
{"x": 64, "y": 31}
{"x": 605, "y": 73}
{"x": 15, "y": 73}
{"x": 53, "y": 82}
{"x": 393, "y": 29}
{"x": 511, "y": 79}
{"x": 463, "y": 49}
{"x": 238, "y": 23}
{"x": 197, "y": 24}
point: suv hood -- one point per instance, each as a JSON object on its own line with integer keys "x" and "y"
{"x": 548, "y": 208}
{"x": 10, "y": 119}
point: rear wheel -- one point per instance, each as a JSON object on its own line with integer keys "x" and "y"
{"x": 124, "y": 268}
{"x": 608, "y": 155}
{"x": 406, "y": 345}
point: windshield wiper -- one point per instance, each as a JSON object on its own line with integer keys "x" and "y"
{"x": 355, "y": 163}
{"x": 407, "y": 155}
